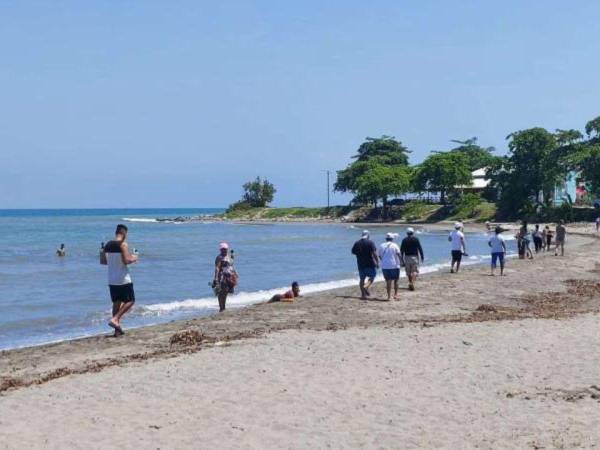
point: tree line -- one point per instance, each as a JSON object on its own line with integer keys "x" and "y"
{"x": 522, "y": 182}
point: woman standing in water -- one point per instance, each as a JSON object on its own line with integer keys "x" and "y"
{"x": 225, "y": 277}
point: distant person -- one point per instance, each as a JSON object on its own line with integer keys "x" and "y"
{"x": 549, "y": 237}
{"x": 289, "y": 296}
{"x": 524, "y": 242}
{"x": 498, "y": 247}
{"x": 597, "y": 224}
{"x": 561, "y": 234}
{"x": 61, "y": 251}
{"x": 488, "y": 226}
{"x": 411, "y": 250}
{"x": 538, "y": 240}
{"x": 225, "y": 277}
{"x": 389, "y": 255}
{"x": 117, "y": 258}
{"x": 458, "y": 247}
{"x": 367, "y": 261}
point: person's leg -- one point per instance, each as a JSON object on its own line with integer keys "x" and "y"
{"x": 458, "y": 260}
{"x": 556, "y": 244}
{"x": 361, "y": 284}
{"x": 562, "y": 248}
{"x": 275, "y": 298}
{"x": 493, "y": 265}
{"x": 388, "y": 287}
{"x": 396, "y": 289}
{"x": 126, "y": 306}
{"x": 115, "y": 309}
{"x": 501, "y": 256}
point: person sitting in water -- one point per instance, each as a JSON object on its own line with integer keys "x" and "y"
{"x": 61, "y": 251}
{"x": 289, "y": 296}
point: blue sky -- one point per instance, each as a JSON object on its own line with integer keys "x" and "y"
{"x": 176, "y": 104}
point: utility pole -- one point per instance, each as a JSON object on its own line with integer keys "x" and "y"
{"x": 328, "y": 206}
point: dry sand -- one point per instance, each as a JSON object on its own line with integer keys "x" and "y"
{"x": 332, "y": 371}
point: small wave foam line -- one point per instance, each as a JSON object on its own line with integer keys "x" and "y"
{"x": 139, "y": 219}
{"x": 242, "y": 299}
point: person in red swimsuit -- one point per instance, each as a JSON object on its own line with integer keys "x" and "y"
{"x": 289, "y": 296}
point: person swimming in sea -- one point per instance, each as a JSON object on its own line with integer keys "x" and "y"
{"x": 61, "y": 251}
{"x": 289, "y": 296}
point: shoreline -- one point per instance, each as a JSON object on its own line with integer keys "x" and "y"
{"x": 314, "y": 311}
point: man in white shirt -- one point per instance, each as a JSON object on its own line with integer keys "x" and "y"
{"x": 498, "y": 247}
{"x": 458, "y": 247}
{"x": 389, "y": 256}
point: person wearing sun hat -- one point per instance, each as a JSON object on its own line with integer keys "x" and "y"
{"x": 225, "y": 278}
{"x": 367, "y": 261}
{"x": 411, "y": 250}
{"x": 389, "y": 255}
{"x": 457, "y": 245}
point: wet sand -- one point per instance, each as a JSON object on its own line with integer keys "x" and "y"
{"x": 466, "y": 360}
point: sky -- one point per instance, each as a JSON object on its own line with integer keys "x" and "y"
{"x": 109, "y": 104}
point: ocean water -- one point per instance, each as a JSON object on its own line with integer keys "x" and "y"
{"x": 46, "y": 298}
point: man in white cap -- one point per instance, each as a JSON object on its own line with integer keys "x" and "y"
{"x": 411, "y": 250}
{"x": 225, "y": 277}
{"x": 457, "y": 245}
{"x": 367, "y": 261}
{"x": 389, "y": 255}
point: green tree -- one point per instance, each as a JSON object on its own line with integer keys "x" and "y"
{"x": 386, "y": 149}
{"x": 380, "y": 170}
{"x": 258, "y": 193}
{"x": 379, "y": 182}
{"x": 533, "y": 167}
{"x": 592, "y": 128}
{"x": 443, "y": 172}
{"x": 478, "y": 157}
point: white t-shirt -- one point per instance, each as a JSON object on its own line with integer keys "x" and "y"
{"x": 496, "y": 242}
{"x": 389, "y": 254}
{"x": 456, "y": 240}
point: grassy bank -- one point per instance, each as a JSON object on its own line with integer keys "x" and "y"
{"x": 411, "y": 212}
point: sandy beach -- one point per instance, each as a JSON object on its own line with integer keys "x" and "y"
{"x": 466, "y": 361}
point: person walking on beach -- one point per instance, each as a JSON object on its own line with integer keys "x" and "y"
{"x": 538, "y": 240}
{"x": 117, "y": 257}
{"x": 367, "y": 260}
{"x": 498, "y": 247}
{"x": 411, "y": 250}
{"x": 597, "y": 224}
{"x": 523, "y": 242}
{"x": 225, "y": 277}
{"x": 61, "y": 251}
{"x": 561, "y": 234}
{"x": 549, "y": 236}
{"x": 389, "y": 255}
{"x": 458, "y": 247}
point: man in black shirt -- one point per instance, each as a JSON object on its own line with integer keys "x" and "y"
{"x": 367, "y": 260}
{"x": 411, "y": 250}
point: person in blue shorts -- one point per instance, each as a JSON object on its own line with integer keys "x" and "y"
{"x": 389, "y": 255}
{"x": 498, "y": 247}
{"x": 367, "y": 260}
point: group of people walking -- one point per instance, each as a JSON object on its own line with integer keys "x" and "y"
{"x": 390, "y": 257}
{"x": 409, "y": 255}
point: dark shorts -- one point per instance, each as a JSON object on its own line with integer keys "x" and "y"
{"x": 122, "y": 293}
{"x": 497, "y": 256}
{"x": 391, "y": 274}
{"x": 456, "y": 255}
{"x": 366, "y": 272}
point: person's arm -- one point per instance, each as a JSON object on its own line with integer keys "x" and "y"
{"x": 354, "y": 249}
{"x": 464, "y": 244}
{"x": 217, "y": 268}
{"x": 374, "y": 254}
{"x": 127, "y": 257}
{"x": 503, "y": 245}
